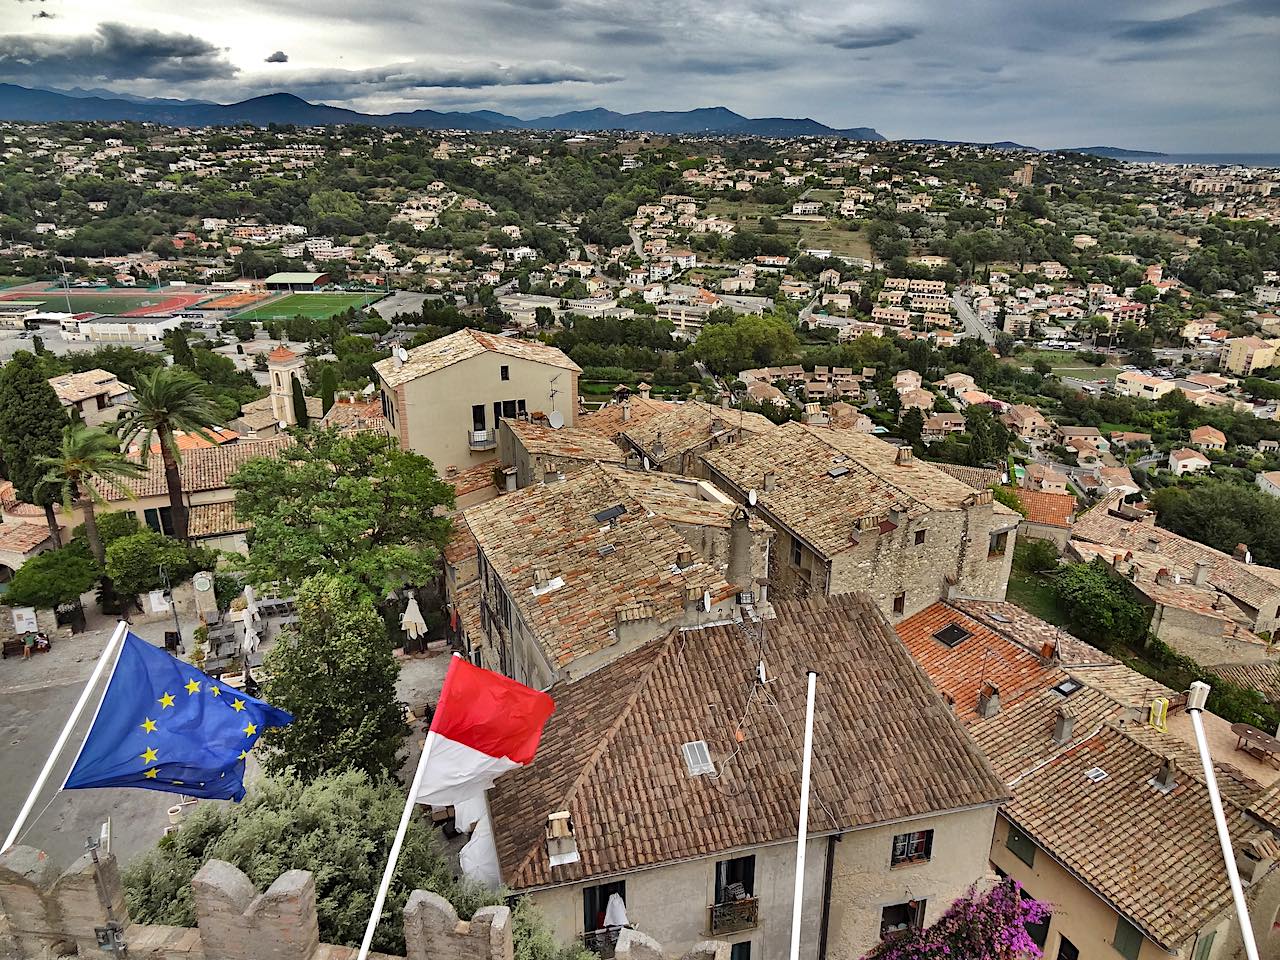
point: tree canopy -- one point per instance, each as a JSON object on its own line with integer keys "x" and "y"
{"x": 352, "y": 504}
{"x": 56, "y": 577}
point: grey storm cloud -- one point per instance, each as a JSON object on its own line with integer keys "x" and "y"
{"x": 336, "y": 84}
{"x": 278, "y": 57}
{"x": 864, "y": 38}
{"x": 115, "y": 51}
{"x": 1197, "y": 23}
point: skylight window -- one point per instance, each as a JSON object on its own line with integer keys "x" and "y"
{"x": 952, "y": 635}
{"x": 1096, "y": 774}
{"x": 837, "y": 471}
{"x": 697, "y": 758}
{"x": 1067, "y": 687}
{"x": 611, "y": 514}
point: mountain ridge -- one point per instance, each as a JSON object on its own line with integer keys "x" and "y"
{"x": 35, "y": 105}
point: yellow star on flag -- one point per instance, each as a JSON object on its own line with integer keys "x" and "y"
{"x": 215, "y": 691}
{"x": 250, "y": 730}
{"x": 151, "y": 774}
{"x": 166, "y": 701}
{"x": 150, "y": 755}
{"x": 238, "y": 705}
{"x": 193, "y": 686}
{"x": 148, "y": 725}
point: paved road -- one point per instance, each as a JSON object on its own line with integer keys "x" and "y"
{"x": 973, "y": 327}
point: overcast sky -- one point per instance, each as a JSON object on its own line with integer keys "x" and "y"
{"x": 1174, "y": 75}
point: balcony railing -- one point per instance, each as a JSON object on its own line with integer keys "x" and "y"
{"x": 482, "y": 439}
{"x": 735, "y": 915}
{"x": 603, "y": 943}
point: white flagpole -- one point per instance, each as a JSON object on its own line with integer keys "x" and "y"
{"x": 803, "y": 835}
{"x": 108, "y": 656}
{"x": 1196, "y": 700}
{"x": 389, "y": 872}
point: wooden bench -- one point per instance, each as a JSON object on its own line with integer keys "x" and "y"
{"x": 13, "y": 648}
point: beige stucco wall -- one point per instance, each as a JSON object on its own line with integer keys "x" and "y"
{"x": 433, "y": 412}
{"x": 1078, "y": 914}
{"x": 863, "y": 883}
{"x": 671, "y": 903}
{"x": 1201, "y": 637}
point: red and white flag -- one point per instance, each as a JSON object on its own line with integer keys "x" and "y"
{"x": 484, "y": 726}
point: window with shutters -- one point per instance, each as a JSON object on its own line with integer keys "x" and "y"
{"x": 1128, "y": 939}
{"x": 1021, "y": 846}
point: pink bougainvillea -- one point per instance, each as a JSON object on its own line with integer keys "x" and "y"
{"x": 978, "y": 926}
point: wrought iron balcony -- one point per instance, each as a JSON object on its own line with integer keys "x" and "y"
{"x": 735, "y": 915}
{"x": 482, "y": 439}
{"x": 603, "y": 943}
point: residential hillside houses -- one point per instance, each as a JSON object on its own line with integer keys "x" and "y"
{"x": 672, "y": 778}
{"x": 96, "y": 397}
{"x": 854, "y": 512}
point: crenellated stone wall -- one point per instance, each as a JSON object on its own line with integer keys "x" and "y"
{"x": 46, "y": 914}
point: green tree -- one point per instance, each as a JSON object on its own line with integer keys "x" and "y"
{"x": 1101, "y": 608}
{"x": 336, "y": 673}
{"x": 912, "y": 427}
{"x": 328, "y": 386}
{"x": 169, "y": 399}
{"x": 54, "y": 578}
{"x": 300, "y": 404}
{"x": 88, "y": 454}
{"x": 748, "y": 341}
{"x": 351, "y": 504}
{"x": 180, "y": 347}
{"x": 146, "y": 560}
{"x": 1222, "y": 515}
{"x": 31, "y": 422}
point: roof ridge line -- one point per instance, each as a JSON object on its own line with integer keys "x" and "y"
{"x": 623, "y": 712}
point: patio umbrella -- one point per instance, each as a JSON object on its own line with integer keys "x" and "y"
{"x": 615, "y": 912}
{"x": 412, "y": 622}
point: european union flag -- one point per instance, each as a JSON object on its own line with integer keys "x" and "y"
{"x": 164, "y": 725}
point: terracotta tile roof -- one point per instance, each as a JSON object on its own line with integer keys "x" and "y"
{"x": 462, "y": 543}
{"x": 1267, "y": 807}
{"x": 689, "y": 425}
{"x": 980, "y": 478}
{"x": 960, "y": 671}
{"x": 826, "y": 480}
{"x": 1015, "y": 624}
{"x": 555, "y": 527}
{"x": 1050, "y": 509}
{"x": 281, "y": 354}
{"x": 1263, "y": 677}
{"x": 473, "y": 478}
{"x": 886, "y": 747}
{"x": 214, "y": 519}
{"x": 1255, "y": 585}
{"x": 74, "y": 387}
{"x": 1153, "y": 856}
{"x": 206, "y": 468}
{"x": 1208, "y": 434}
{"x": 193, "y": 441}
{"x": 22, "y": 537}
{"x": 571, "y": 443}
{"x": 608, "y": 420}
{"x": 463, "y": 345}
{"x": 360, "y": 413}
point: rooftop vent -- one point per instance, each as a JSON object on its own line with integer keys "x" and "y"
{"x": 611, "y": 514}
{"x": 697, "y": 758}
{"x": 1096, "y": 774}
{"x": 837, "y": 471}
{"x": 1000, "y": 618}
{"x": 952, "y": 635}
{"x": 607, "y": 550}
{"x": 1166, "y": 779}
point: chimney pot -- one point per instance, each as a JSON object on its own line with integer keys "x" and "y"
{"x": 1166, "y": 779}
{"x": 1242, "y": 553}
{"x": 562, "y": 845}
{"x": 1201, "y": 576}
{"x": 626, "y": 410}
{"x": 905, "y": 455}
{"x": 770, "y": 480}
{"x": 1063, "y": 726}
{"x": 988, "y": 701}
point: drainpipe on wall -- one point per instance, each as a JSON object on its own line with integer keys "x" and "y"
{"x": 826, "y": 893}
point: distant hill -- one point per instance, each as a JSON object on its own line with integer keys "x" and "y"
{"x": 1113, "y": 153}
{"x": 998, "y": 145}
{"x": 22, "y": 103}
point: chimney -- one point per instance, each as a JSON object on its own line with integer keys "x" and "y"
{"x": 988, "y": 700}
{"x": 684, "y": 558}
{"x": 450, "y": 472}
{"x": 626, "y": 410}
{"x": 541, "y": 577}
{"x": 724, "y": 402}
{"x": 1048, "y": 650}
{"x": 1153, "y": 544}
{"x": 897, "y": 514}
{"x": 739, "y": 572}
{"x": 1063, "y": 726}
{"x": 644, "y": 389}
{"x": 1162, "y": 576}
{"x": 1242, "y": 553}
{"x": 1201, "y": 576}
{"x": 659, "y": 448}
{"x": 1254, "y": 859}
{"x": 904, "y": 456}
{"x": 634, "y": 623}
{"x": 562, "y": 846}
{"x": 770, "y": 480}
{"x": 1166, "y": 779}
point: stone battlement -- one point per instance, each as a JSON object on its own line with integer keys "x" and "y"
{"x": 46, "y": 914}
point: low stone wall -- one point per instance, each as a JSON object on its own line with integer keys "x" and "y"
{"x": 44, "y": 914}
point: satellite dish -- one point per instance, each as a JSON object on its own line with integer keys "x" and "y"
{"x": 402, "y": 353}
{"x": 706, "y": 600}
{"x": 646, "y": 463}
{"x": 752, "y": 497}
{"x": 556, "y": 419}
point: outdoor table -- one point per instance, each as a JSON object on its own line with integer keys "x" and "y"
{"x": 1256, "y": 743}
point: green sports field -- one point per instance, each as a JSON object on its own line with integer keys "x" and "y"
{"x": 107, "y": 304}
{"x": 316, "y": 305}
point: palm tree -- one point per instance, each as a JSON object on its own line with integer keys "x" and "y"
{"x": 169, "y": 399}
{"x": 88, "y": 454}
